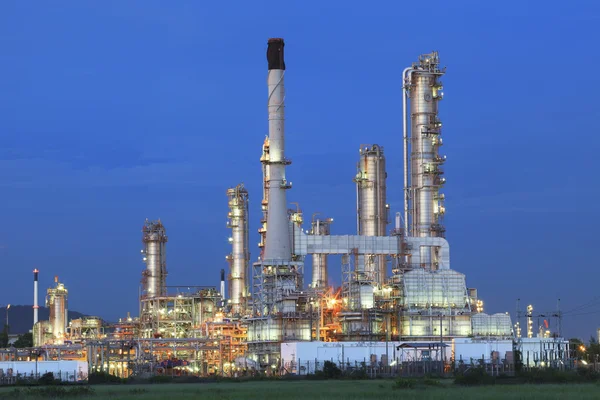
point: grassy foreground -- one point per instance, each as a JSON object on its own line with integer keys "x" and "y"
{"x": 314, "y": 390}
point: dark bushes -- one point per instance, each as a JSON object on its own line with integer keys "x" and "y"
{"x": 404, "y": 383}
{"x": 48, "y": 379}
{"x": 535, "y": 376}
{"x": 97, "y": 378}
{"x": 50, "y": 392}
{"x": 474, "y": 377}
{"x": 582, "y": 375}
{"x": 160, "y": 379}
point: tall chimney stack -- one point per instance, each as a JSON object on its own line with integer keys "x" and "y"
{"x": 277, "y": 246}
{"x": 35, "y": 296}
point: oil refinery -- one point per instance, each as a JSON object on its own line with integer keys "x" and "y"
{"x": 400, "y": 301}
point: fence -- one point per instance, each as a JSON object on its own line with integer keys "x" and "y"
{"x": 10, "y": 378}
{"x": 371, "y": 370}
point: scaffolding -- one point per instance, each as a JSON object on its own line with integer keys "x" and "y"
{"x": 357, "y": 284}
{"x": 179, "y": 315}
{"x": 230, "y": 335}
{"x": 265, "y": 334}
{"x": 126, "y": 329}
{"x": 85, "y": 328}
{"x": 276, "y": 288}
{"x": 143, "y": 357}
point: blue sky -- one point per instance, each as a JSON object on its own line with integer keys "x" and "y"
{"x": 113, "y": 112}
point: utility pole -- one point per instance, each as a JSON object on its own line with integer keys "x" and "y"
{"x": 310, "y": 315}
{"x": 559, "y": 318}
{"x": 319, "y": 304}
{"x": 387, "y": 338}
{"x": 7, "y": 307}
{"x": 519, "y": 311}
{"x": 442, "y": 352}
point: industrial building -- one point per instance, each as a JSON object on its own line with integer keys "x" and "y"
{"x": 399, "y": 300}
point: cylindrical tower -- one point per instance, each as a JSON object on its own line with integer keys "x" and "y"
{"x": 277, "y": 246}
{"x": 154, "y": 278}
{"x": 319, "y": 261}
{"x": 222, "y": 290}
{"x": 56, "y": 301}
{"x": 240, "y": 254}
{"x": 295, "y": 221}
{"x": 35, "y": 296}
{"x": 372, "y": 208}
{"x": 426, "y": 206}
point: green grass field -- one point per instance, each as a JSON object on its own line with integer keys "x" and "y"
{"x": 314, "y": 390}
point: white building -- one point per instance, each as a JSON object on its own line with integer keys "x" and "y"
{"x": 65, "y": 370}
{"x": 541, "y": 352}
{"x": 306, "y": 357}
{"x": 470, "y": 351}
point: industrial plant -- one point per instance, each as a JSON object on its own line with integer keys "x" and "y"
{"x": 400, "y": 301}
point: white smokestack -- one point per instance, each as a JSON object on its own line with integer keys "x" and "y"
{"x": 277, "y": 246}
{"x": 35, "y": 296}
{"x": 223, "y": 285}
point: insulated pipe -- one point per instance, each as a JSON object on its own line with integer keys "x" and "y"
{"x": 319, "y": 261}
{"x": 357, "y": 210}
{"x": 405, "y": 85}
{"x": 35, "y": 296}
{"x": 277, "y": 246}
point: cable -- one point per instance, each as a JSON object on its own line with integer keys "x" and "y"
{"x": 584, "y": 305}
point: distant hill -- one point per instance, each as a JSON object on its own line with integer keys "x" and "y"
{"x": 20, "y": 318}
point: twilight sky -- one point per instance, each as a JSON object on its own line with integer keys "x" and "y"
{"x": 116, "y": 111}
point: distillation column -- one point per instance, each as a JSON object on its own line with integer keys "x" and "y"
{"x": 154, "y": 278}
{"x": 240, "y": 254}
{"x": 372, "y": 210}
{"x": 426, "y": 207}
{"x": 319, "y": 261}
{"x": 56, "y": 301}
